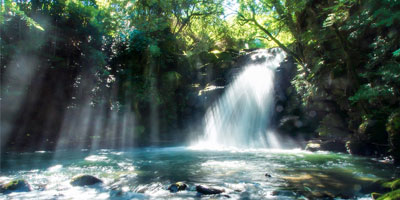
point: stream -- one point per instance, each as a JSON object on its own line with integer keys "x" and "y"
{"x": 146, "y": 173}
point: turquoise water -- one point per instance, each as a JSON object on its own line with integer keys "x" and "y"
{"x": 146, "y": 173}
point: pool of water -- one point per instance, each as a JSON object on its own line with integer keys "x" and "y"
{"x": 146, "y": 173}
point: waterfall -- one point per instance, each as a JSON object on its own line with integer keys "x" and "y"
{"x": 241, "y": 117}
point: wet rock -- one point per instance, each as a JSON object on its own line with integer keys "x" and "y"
{"x": 84, "y": 180}
{"x": 328, "y": 145}
{"x": 19, "y": 185}
{"x": 208, "y": 190}
{"x": 178, "y": 186}
{"x": 267, "y": 175}
{"x": 313, "y": 146}
{"x": 290, "y": 123}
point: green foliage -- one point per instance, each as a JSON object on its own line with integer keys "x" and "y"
{"x": 390, "y": 195}
{"x": 393, "y": 185}
{"x": 11, "y": 9}
{"x": 396, "y": 53}
{"x": 372, "y": 94}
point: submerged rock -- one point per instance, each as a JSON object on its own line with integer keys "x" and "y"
{"x": 208, "y": 190}
{"x": 267, "y": 175}
{"x": 83, "y": 180}
{"x": 19, "y": 185}
{"x": 178, "y": 186}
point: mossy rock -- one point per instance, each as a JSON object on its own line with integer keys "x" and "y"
{"x": 394, "y": 195}
{"x": 393, "y": 128}
{"x": 19, "y": 185}
{"x": 332, "y": 126}
{"x": 84, "y": 180}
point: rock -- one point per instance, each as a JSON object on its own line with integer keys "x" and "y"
{"x": 290, "y": 123}
{"x": 83, "y": 180}
{"x": 374, "y": 130}
{"x": 359, "y": 147}
{"x": 267, "y": 175}
{"x": 328, "y": 145}
{"x": 393, "y": 128}
{"x": 333, "y": 126}
{"x": 19, "y": 185}
{"x": 312, "y": 146}
{"x": 334, "y": 145}
{"x": 178, "y": 186}
{"x": 208, "y": 190}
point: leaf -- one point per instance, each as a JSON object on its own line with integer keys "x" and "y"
{"x": 396, "y": 53}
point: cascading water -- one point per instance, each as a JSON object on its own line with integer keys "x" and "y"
{"x": 241, "y": 117}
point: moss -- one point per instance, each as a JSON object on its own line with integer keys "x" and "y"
{"x": 15, "y": 185}
{"x": 375, "y": 195}
{"x": 394, "y": 195}
{"x": 393, "y": 185}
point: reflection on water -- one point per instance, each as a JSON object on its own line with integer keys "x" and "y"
{"x": 146, "y": 173}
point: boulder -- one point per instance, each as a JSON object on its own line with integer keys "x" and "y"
{"x": 178, "y": 186}
{"x": 19, "y": 185}
{"x": 334, "y": 145}
{"x": 374, "y": 130}
{"x": 208, "y": 190}
{"x": 359, "y": 147}
{"x": 84, "y": 180}
{"x": 328, "y": 145}
{"x": 313, "y": 146}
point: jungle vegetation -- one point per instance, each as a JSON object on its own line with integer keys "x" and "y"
{"x": 145, "y": 56}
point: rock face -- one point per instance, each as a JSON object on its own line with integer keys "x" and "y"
{"x": 356, "y": 146}
{"x": 178, "y": 186}
{"x": 393, "y": 128}
{"x": 15, "y": 186}
{"x": 208, "y": 190}
{"x": 84, "y": 180}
